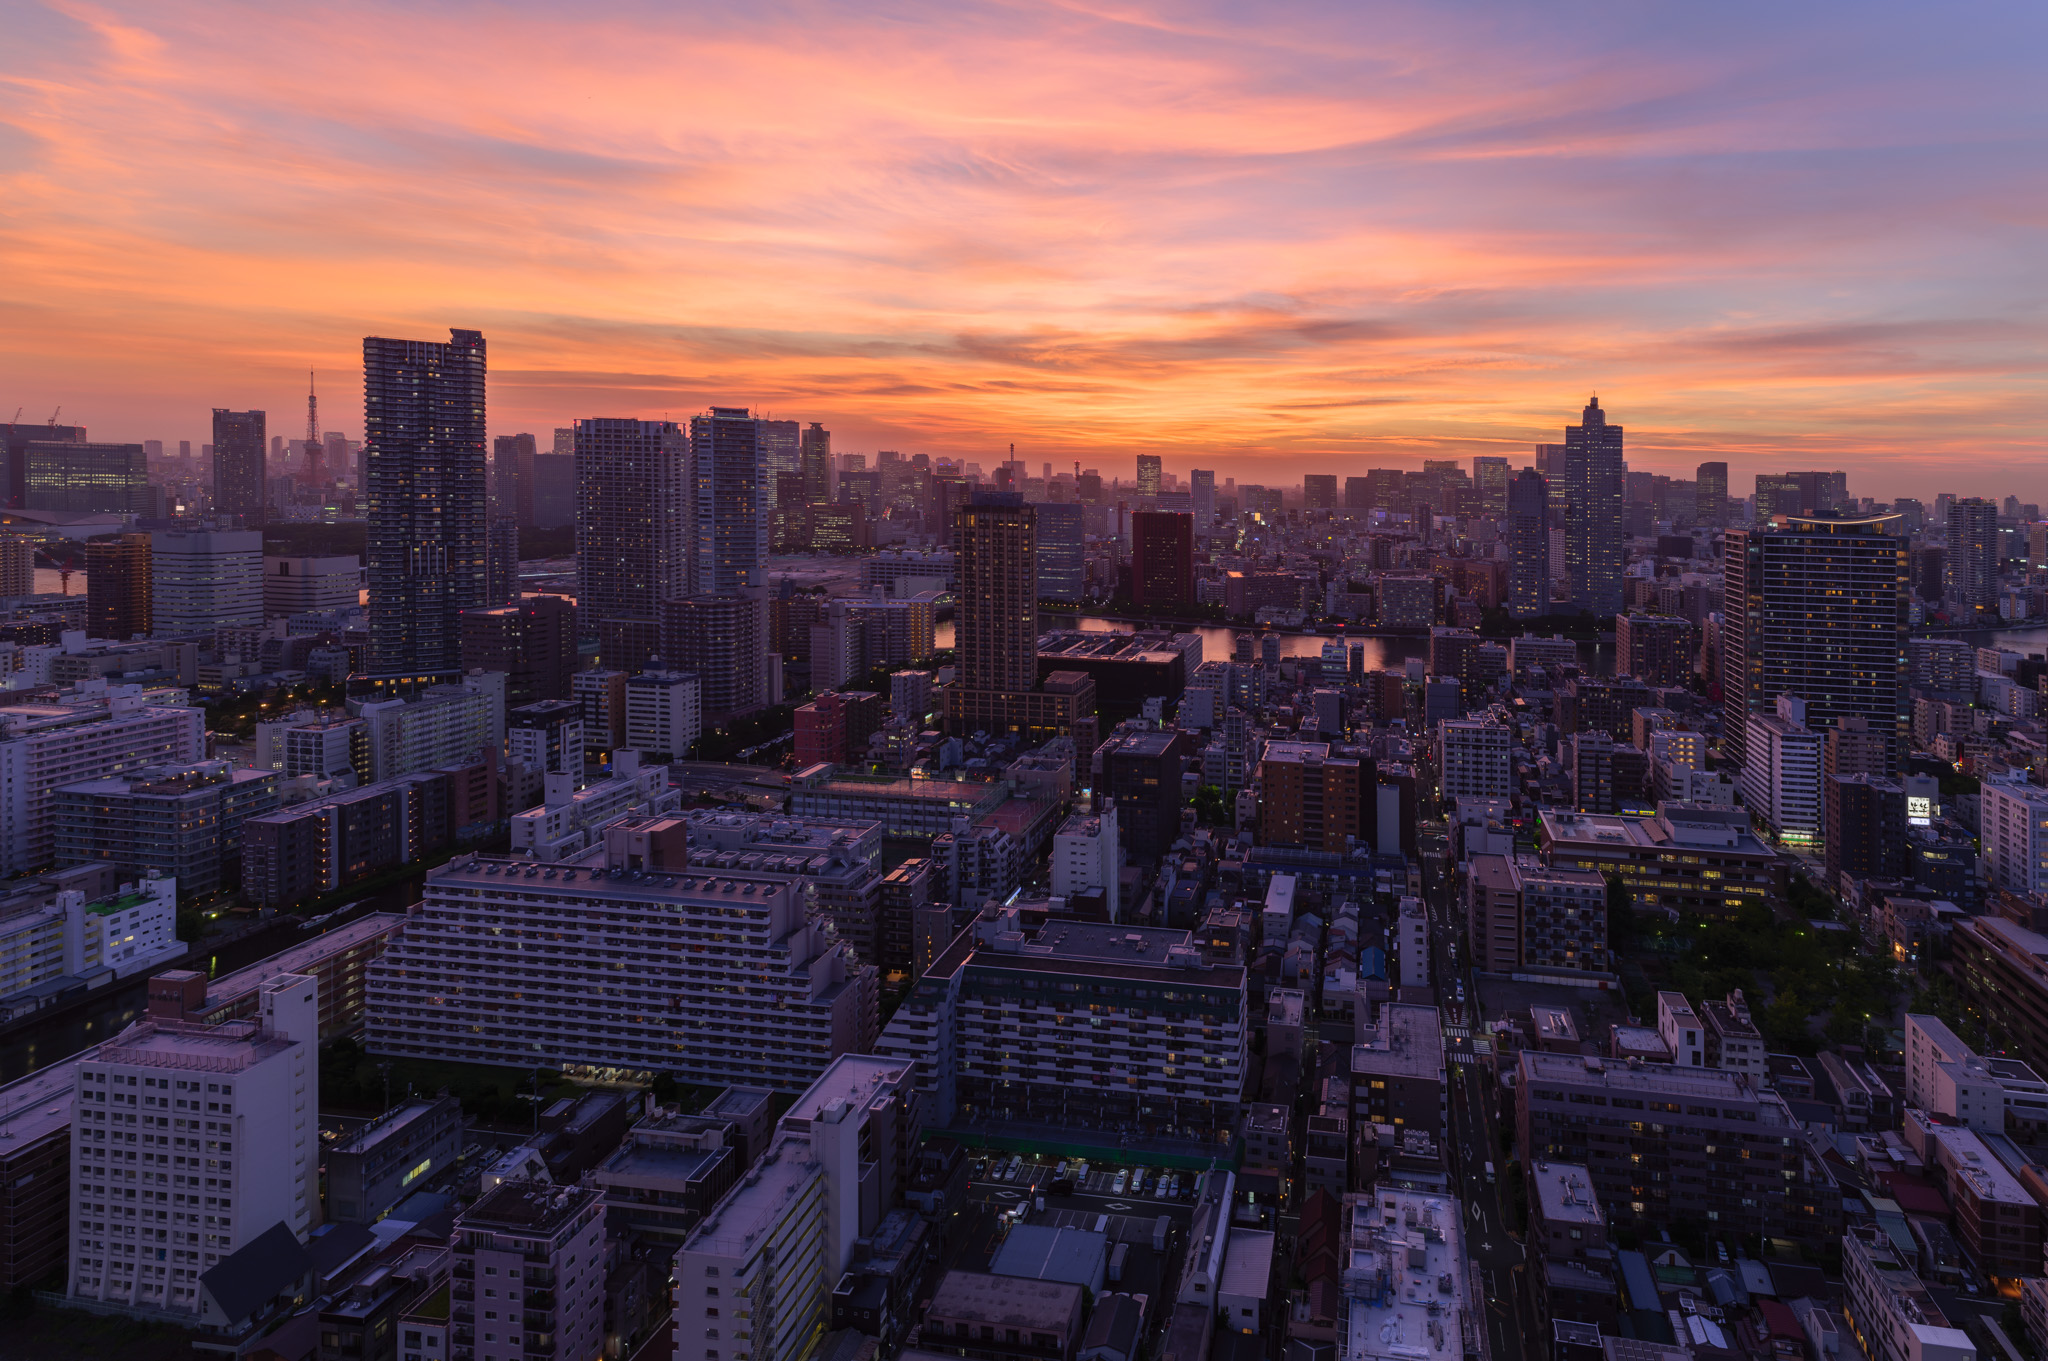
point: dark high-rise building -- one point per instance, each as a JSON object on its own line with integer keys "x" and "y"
{"x": 1357, "y": 493}
{"x": 1710, "y": 498}
{"x": 1594, "y": 476}
{"x": 1141, "y": 771}
{"x": 1776, "y": 494}
{"x": 1062, "y": 552}
{"x": 1202, "y": 494}
{"x": 14, "y": 441}
{"x": 996, "y": 686}
{"x": 1319, "y": 491}
{"x": 1864, "y": 826}
{"x": 1528, "y": 536}
{"x": 1151, "y": 474}
{"x": 1162, "y": 559}
{"x": 1972, "y": 566}
{"x": 728, "y": 553}
{"x": 512, "y": 467}
{"x": 118, "y": 586}
{"x": 501, "y": 562}
{"x": 238, "y": 466}
{"x": 633, "y": 519}
{"x": 1816, "y": 608}
{"x": 554, "y": 491}
{"x": 423, "y": 438}
{"x": 781, "y": 450}
{"x": 1383, "y": 489}
{"x": 816, "y": 458}
{"x": 87, "y": 477}
{"x": 1930, "y": 572}
{"x": 532, "y": 642}
{"x": 1490, "y": 476}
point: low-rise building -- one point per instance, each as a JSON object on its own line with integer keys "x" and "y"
{"x": 1889, "y": 1310}
{"x": 381, "y": 1163}
{"x": 1405, "y": 1278}
{"x": 1685, "y": 858}
{"x": 1003, "y": 1318}
{"x": 1397, "y": 1070}
{"x": 529, "y": 1265}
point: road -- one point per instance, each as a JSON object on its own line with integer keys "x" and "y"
{"x": 1473, "y": 1138}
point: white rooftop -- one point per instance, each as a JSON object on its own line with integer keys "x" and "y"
{"x": 1404, "y": 1277}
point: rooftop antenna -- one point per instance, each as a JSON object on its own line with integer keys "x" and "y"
{"x": 312, "y": 431}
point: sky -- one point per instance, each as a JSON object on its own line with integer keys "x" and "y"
{"x": 1268, "y": 239}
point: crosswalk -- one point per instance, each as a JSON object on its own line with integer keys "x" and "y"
{"x": 1460, "y": 1056}
{"x": 1458, "y": 1032}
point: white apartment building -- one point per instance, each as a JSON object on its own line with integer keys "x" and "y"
{"x": 529, "y": 1258}
{"x": 201, "y": 580}
{"x": 1476, "y": 759}
{"x": 664, "y": 712}
{"x": 754, "y": 1280}
{"x": 326, "y": 746}
{"x": 1411, "y": 944}
{"x": 546, "y": 736}
{"x": 446, "y": 725}
{"x": 101, "y": 731}
{"x": 310, "y": 585}
{"x": 2013, "y": 825}
{"x": 1678, "y": 1025}
{"x": 571, "y": 817}
{"x": 1944, "y": 1076}
{"x": 126, "y": 933}
{"x": 1781, "y": 773}
{"x": 1888, "y": 1308}
{"x": 1086, "y": 857}
{"x": 191, "y": 1140}
{"x": 1530, "y": 651}
{"x": 1406, "y": 1280}
{"x": 623, "y": 956}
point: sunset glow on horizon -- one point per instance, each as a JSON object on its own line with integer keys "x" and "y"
{"x": 1265, "y": 239}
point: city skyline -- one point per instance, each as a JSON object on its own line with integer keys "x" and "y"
{"x": 1075, "y": 247}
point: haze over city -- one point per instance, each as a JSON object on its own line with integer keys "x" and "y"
{"x": 1265, "y": 239}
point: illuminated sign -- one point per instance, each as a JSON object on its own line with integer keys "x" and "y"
{"x": 1919, "y": 810}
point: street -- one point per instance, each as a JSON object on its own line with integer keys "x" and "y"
{"x": 1473, "y": 1137}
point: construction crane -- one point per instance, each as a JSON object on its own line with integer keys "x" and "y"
{"x": 17, "y": 415}
{"x": 54, "y": 415}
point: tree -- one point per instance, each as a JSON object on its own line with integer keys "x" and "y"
{"x": 1621, "y": 916}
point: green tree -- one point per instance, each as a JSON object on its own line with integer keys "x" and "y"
{"x": 1621, "y": 916}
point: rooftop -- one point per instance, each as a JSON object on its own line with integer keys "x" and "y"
{"x": 854, "y": 1078}
{"x": 1247, "y": 1265}
{"x": 1565, "y": 1191}
{"x": 1661, "y": 1079}
{"x": 1973, "y": 1164}
{"x": 527, "y": 1207}
{"x": 1404, "y": 1277}
{"x": 384, "y": 1126}
{"x": 1044, "y": 1253}
{"x": 741, "y": 1220}
{"x": 1008, "y": 1301}
{"x": 1409, "y": 1043}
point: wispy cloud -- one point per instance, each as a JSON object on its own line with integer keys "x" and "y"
{"x": 1275, "y": 238}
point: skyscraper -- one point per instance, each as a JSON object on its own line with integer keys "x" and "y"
{"x": 1816, "y": 609}
{"x": 1319, "y": 491}
{"x": 201, "y": 580}
{"x": 117, "y": 587}
{"x": 816, "y": 457}
{"x": 501, "y": 561}
{"x": 1151, "y": 473}
{"x": 1593, "y": 546}
{"x": 1062, "y": 558}
{"x": 238, "y": 469}
{"x": 634, "y": 515}
{"x": 728, "y": 553}
{"x": 781, "y": 450}
{"x": 1202, "y": 492}
{"x": 1490, "y": 476}
{"x": 423, "y": 440}
{"x": 1972, "y": 566}
{"x": 1357, "y": 493}
{"x": 1711, "y": 494}
{"x": 1528, "y": 545}
{"x": 1162, "y": 559}
{"x": 94, "y": 478}
{"x": 512, "y": 466}
{"x": 14, "y": 441}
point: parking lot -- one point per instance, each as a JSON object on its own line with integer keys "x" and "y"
{"x": 1024, "y": 1175}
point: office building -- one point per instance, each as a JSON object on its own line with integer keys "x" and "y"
{"x": 44, "y": 747}
{"x": 1594, "y": 540}
{"x": 182, "y": 822}
{"x": 1711, "y": 493}
{"x": 1864, "y": 827}
{"x": 1888, "y": 1308}
{"x": 1062, "y": 557}
{"x": 86, "y": 478}
{"x": 532, "y": 642}
{"x": 2013, "y": 818}
{"x": 1973, "y": 556}
{"x": 378, "y": 1164}
{"x": 527, "y": 1000}
{"x": 501, "y": 561}
{"x": 1742, "y": 1159}
{"x": 310, "y": 585}
{"x": 1656, "y": 649}
{"x": 512, "y": 477}
{"x": 1781, "y": 773}
{"x": 1490, "y": 480}
{"x": 996, "y": 683}
{"x": 1816, "y": 608}
{"x": 202, "y": 580}
{"x": 1202, "y": 492}
{"x": 1319, "y": 491}
{"x": 1162, "y": 559}
{"x": 1086, "y": 859}
{"x": 1397, "y": 1071}
{"x": 815, "y": 456}
{"x": 1528, "y": 536}
{"x": 635, "y": 502}
{"x": 754, "y": 1279}
{"x": 1084, "y": 1050}
{"x": 1688, "y": 856}
{"x": 1309, "y": 797}
{"x": 1475, "y": 760}
{"x": 1151, "y": 475}
{"x": 423, "y": 448}
{"x": 1142, "y": 771}
{"x": 118, "y": 591}
{"x": 528, "y": 1274}
{"x": 664, "y": 713}
{"x": 247, "y": 1089}
{"x": 239, "y": 469}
